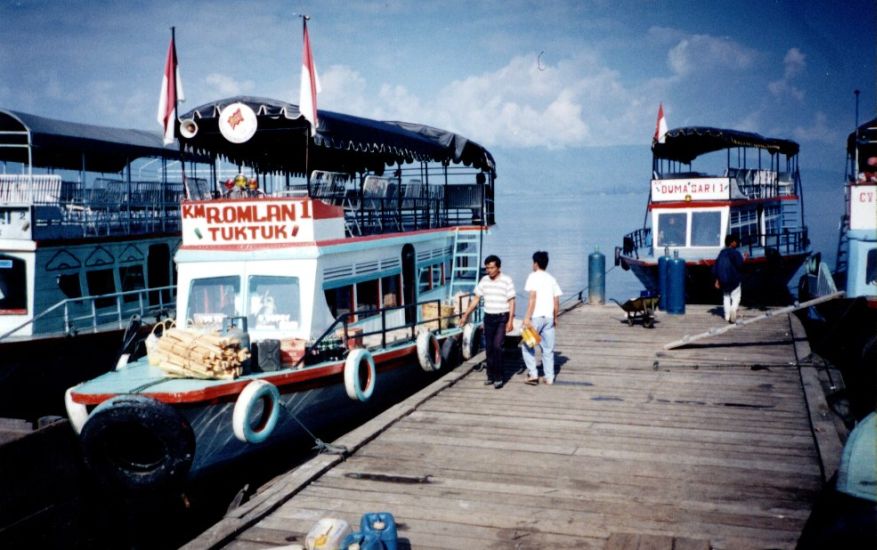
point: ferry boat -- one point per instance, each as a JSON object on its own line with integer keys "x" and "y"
{"x": 344, "y": 265}
{"x": 845, "y": 330}
{"x": 748, "y": 185}
{"x": 89, "y": 223}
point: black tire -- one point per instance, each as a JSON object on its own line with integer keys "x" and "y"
{"x": 451, "y": 353}
{"x": 135, "y": 443}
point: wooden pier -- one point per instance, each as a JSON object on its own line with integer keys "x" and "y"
{"x": 725, "y": 444}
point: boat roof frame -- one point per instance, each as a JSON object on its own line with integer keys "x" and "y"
{"x": 687, "y": 143}
{"x": 342, "y": 142}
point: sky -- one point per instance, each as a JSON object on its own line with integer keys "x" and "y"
{"x": 545, "y": 80}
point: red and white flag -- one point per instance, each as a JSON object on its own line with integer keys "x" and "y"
{"x": 310, "y": 83}
{"x": 171, "y": 94}
{"x": 661, "y": 126}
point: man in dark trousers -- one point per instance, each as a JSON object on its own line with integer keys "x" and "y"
{"x": 498, "y": 292}
{"x": 728, "y": 270}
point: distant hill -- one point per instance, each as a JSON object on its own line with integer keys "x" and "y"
{"x": 615, "y": 169}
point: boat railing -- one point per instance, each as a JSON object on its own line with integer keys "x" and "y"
{"x": 787, "y": 241}
{"x": 348, "y": 327}
{"x": 104, "y": 311}
{"x": 385, "y": 206}
{"x": 104, "y": 207}
{"x": 635, "y": 240}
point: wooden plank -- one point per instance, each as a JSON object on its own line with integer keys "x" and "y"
{"x": 634, "y": 446}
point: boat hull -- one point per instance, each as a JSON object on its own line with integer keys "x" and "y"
{"x": 35, "y": 372}
{"x": 765, "y": 280}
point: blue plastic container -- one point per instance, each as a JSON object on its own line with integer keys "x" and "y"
{"x": 596, "y": 277}
{"x": 363, "y": 541}
{"x": 663, "y": 279}
{"x": 381, "y": 524}
{"x": 676, "y": 286}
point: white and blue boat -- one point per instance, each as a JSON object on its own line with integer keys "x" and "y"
{"x": 844, "y": 330}
{"x": 745, "y": 184}
{"x": 345, "y": 260}
{"x": 89, "y": 223}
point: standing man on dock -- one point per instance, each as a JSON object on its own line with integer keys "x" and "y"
{"x": 542, "y": 310}
{"x": 728, "y": 270}
{"x": 498, "y": 292}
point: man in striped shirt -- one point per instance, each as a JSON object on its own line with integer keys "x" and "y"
{"x": 498, "y": 292}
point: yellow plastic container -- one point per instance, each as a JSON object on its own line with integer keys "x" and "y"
{"x": 530, "y": 337}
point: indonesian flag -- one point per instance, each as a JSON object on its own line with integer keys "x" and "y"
{"x": 661, "y": 126}
{"x": 310, "y": 83}
{"x": 171, "y": 93}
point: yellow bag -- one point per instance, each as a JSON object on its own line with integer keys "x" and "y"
{"x": 530, "y": 337}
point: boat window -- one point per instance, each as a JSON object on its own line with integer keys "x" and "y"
{"x": 132, "y": 279}
{"x": 274, "y": 302}
{"x": 340, "y": 300}
{"x": 69, "y": 285}
{"x": 671, "y": 229}
{"x": 213, "y": 299}
{"x": 871, "y": 267}
{"x": 13, "y": 286}
{"x": 390, "y": 288}
{"x": 706, "y": 229}
{"x": 424, "y": 280}
{"x": 772, "y": 220}
{"x": 367, "y": 295}
{"x": 101, "y": 281}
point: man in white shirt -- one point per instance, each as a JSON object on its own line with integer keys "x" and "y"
{"x": 498, "y": 292}
{"x": 542, "y": 311}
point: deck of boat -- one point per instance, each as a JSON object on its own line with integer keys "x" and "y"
{"x": 726, "y": 443}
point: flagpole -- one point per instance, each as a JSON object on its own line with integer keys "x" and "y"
{"x": 304, "y": 31}
{"x": 177, "y": 117}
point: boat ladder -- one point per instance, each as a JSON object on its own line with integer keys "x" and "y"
{"x": 465, "y": 264}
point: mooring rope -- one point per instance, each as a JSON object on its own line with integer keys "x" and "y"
{"x": 319, "y": 445}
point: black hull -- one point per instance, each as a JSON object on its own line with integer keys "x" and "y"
{"x": 844, "y": 332}
{"x": 765, "y": 282}
{"x": 34, "y": 374}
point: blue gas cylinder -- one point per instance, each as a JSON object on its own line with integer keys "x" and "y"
{"x": 663, "y": 279}
{"x": 381, "y": 524}
{"x": 596, "y": 277}
{"x": 362, "y": 541}
{"x": 676, "y": 285}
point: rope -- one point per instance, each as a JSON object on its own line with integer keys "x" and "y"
{"x": 319, "y": 445}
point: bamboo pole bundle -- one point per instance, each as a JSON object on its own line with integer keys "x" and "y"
{"x": 192, "y": 354}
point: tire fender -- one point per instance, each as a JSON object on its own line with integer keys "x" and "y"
{"x": 469, "y": 342}
{"x": 76, "y": 412}
{"x": 134, "y": 442}
{"x": 353, "y": 375}
{"x": 243, "y": 409}
{"x": 429, "y": 353}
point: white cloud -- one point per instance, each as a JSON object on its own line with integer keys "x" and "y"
{"x": 700, "y": 52}
{"x": 225, "y": 86}
{"x": 818, "y": 130}
{"x": 794, "y": 64}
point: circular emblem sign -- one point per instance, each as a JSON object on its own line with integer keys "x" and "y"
{"x": 237, "y": 123}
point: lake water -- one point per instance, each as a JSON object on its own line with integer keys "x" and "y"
{"x": 570, "y": 226}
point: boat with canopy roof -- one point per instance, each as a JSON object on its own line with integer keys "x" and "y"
{"x": 747, "y": 185}
{"x": 89, "y": 222}
{"x": 331, "y": 272}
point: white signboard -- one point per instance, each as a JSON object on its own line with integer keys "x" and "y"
{"x": 15, "y": 223}
{"x": 258, "y": 222}
{"x": 863, "y": 207}
{"x": 697, "y": 189}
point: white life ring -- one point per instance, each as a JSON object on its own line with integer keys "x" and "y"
{"x": 354, "y": 375}
{"x": 429, "y": 353}
{"x": 469, "y": 345}
{"x": 243, "y": 409}
{"x": 76, "y": 412}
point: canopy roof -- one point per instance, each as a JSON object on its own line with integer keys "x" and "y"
{"x": 686, "y": 144}
{"x": 866, "y": 133}
{"x": 67, "y": 145}
{"x": 342, "y": 143}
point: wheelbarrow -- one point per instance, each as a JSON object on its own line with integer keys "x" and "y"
{"x": 642, "y": 308}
